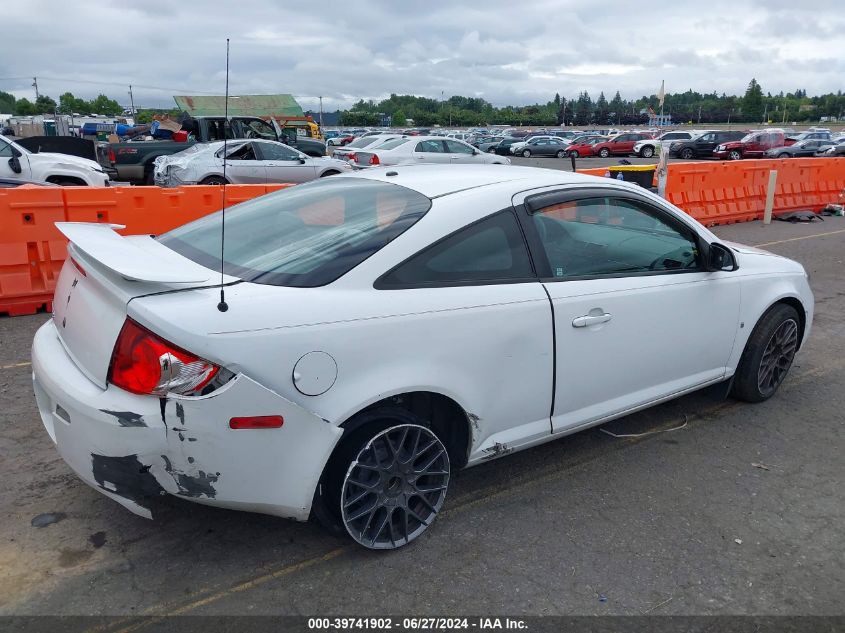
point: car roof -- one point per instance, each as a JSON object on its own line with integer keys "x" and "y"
{"x": 434, "y": 181}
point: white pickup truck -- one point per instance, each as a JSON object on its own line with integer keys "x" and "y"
{"x": 17, "y": 162}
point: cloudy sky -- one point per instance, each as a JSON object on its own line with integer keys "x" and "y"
{"x": 506, "y": 51}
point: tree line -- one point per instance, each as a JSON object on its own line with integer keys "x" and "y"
{"x": 684, "y": 107}
{"x": 68, "y": 104}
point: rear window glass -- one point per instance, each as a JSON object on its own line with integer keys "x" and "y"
{"x": 304, "y": 236}
{"x": 393, "y": 144}
{"x": 363, "y": 141}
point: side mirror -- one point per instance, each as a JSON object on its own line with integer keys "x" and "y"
{"x": 720, "y": 257}
{"x": 475, "y": 152}
{"x": 301, "y": 160}
{"x": 15, "y": 164}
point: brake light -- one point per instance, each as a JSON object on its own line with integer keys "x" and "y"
{"x": 352, "y": 157}
{"x": 146, "y": 364}
{"x": 374, "y": 160}
{"x": 112, "y": 156}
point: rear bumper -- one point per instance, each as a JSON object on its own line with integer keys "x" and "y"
{"x": 135, "y": 448}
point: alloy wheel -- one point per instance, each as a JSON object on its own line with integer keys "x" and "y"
{"x": 395, "y": 487}
{"x": 777, "y": 357}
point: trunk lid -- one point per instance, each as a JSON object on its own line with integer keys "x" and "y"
{"x": 103, "y": 272}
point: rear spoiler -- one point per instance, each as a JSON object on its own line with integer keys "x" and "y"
{"x": 134, "y": 259}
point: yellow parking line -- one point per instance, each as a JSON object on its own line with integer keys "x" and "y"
{"x": 804, "y": 237}
{"x": 14, "y": 365}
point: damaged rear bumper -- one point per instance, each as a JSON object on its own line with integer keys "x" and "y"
{"x": 135, "y": 448}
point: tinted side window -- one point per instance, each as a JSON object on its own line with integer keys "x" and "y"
{"x": 488, "y": 251}
{"x": 611, "y": 236}
{"x": 458, "y": 148}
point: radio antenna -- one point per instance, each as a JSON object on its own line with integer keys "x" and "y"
{"x": 223, "y": 306}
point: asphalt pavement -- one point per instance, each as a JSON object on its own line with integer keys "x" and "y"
{"x": 739, "y": 511}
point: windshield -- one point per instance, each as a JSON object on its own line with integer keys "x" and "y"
{"x": 20, "y": 148}
{"x": 304, "y": 236}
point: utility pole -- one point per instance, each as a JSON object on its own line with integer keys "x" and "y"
{"x": 766, "y": 114}
{"x": 131, "y": 102}
{"x": 35, "y": 85}
{"x": 699, "y": 114}
{"x": 321, "y": 112}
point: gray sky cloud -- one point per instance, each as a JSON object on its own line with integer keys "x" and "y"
{"x": 506, "y": 52}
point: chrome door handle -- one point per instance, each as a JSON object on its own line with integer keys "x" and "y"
{"x": 586, "y": 320}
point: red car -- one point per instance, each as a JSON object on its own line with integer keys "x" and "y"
{"x": 621, "y": 144}
{"x": 752, "y": 145}
{"x": 584, "y": 147}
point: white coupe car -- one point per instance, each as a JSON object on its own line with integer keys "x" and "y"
{"x": 247, "y": 162}
{"x": 385, "y": 328}
{"x": 424, "y": 150}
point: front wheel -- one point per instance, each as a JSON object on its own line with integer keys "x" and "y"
{"x": 604, "y": 152}
{"x": 560, "y": 153}
{"x": 768, "y": 354}
{"x": 735, "y": 154}
{"x": 331, "y": 172}
{"x": 783, "y": 155}
{"x": 491, "y": 150}
{"x": 573, "y": 153}
{"x": 686, "y": 154}
{"x": 526, "y": 153}
{"x": 213, "y": 180}
{"x": 647, "y": 151}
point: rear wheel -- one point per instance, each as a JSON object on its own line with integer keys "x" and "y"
{"x": 573, "y": 153}
{"x": 768, "y": 354}
{"x": 604, "y": 152}
{"x": 647, "y": 151}
{"x": 783, "y": 155}
{"x": 68, "y": 182}
{"x": 387, "y": 482}
{"x": 213, "y": 180}
{"x": 687, "y": 153}
{"x": 526, "y": 153}
{"x": 491, "y": 150}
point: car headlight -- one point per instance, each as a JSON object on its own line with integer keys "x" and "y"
{"x": 99, "y": 170}
{"x": 720, "y": 148}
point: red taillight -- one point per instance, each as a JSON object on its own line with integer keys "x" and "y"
{"x": 257, "y": 422}
{"x": 146, "y": 364}
{"x": 112, "y": 157}
{"x": 374, "y": 160}
{"x": 352, "y": 157}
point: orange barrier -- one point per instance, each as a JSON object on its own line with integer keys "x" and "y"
{"x": 32, "y": 250}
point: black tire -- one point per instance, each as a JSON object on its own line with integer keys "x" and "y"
{"x": 149, "y": 176}
{"x": 573, "y": 153}
{"x": 647, "y": 151}
{"x": 783, "y": 155}
{"x": 332, "y": 504}
{"x": 491, "y": 150}
{"x": 687, "y": 153}
{"x": 526, "y": 153}
{"x": 735, "y": 154}
{"x": 560, "y": 153}
{"x": 768, "y": 355}
{"x": 331, "y": 172}
{"x": 65, "y": 182}
{"x": 604, "y": 152}
{"x": 213, "y": 180}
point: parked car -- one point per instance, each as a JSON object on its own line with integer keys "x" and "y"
{"x": 18, "y": 163}
{"x": 543, "y": 146}
{"x": 424, "y": 150}
{"x": 835, "y": 150}
{"x": 340, "y": 140}
{"x": 702, "y": 146}
{"x": 808, "y": 136}
{"x": 647, "y": 148}
{"x": 515, "y": 148}
{"x": 504, "y": 146}
{"x": 489, "y": 144}
{"x": 247, "y": 162}
{"x": 361, "y": 142}
{"x": 585, "y": 146}
{"x": 6, "y": 131}
{"x": 752, "y": 145}
{"x": 808, "y": 147}
{"x": 620, "y": 145}
{"x": 385, "y": 329}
